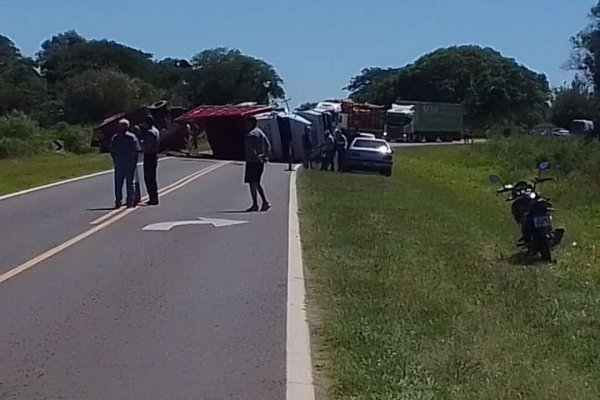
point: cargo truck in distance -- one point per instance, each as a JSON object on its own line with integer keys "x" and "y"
{"x": 356, "y": 118}
{"x": 414, "y": 121}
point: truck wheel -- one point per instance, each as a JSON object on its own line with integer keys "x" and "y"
{"x": 387, "y": 172}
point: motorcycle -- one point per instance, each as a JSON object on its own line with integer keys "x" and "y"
{"x": 533, "y": 213}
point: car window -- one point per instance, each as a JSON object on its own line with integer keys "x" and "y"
{"x": 369, "y": 144}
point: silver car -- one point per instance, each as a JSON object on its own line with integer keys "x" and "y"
{"x": 369, "y": 154}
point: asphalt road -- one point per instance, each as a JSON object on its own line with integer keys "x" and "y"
{"x": 197, "y": 312}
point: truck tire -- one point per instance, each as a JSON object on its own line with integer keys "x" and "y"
{"x": 387, "y": 172}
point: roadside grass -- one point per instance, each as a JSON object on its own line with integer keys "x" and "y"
{"x": 420, "y": 296}
{"x": 22, "y": 173}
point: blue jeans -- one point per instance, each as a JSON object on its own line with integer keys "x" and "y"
{"x": 125, "y": 174}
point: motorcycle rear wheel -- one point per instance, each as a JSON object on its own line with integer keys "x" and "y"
{"x": 545, "y": 252}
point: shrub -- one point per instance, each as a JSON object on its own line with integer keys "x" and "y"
{"x": 20, "y": 136}
{"x": 76, "y": 139}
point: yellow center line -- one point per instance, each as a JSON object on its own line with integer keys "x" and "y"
{"x": 50, "y": 253}
{"x": 160, "y": 193}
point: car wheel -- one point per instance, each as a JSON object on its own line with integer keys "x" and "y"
{"x": 387, "y": 172}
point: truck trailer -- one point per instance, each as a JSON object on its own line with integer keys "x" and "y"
{"x": 414, "y": 121}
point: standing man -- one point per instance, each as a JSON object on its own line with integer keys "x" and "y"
{"x": 135, "y": 129}
{"x": 124, "y": 148}
{"x": 341, "y": 143}
{"x": 307, "y": 147}
{"x": 150, "y": 148}
{"x": 257, "y": 151}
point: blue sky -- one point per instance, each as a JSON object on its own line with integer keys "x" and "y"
{"x": 315, "y": 45}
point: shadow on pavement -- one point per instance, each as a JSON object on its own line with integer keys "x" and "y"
{"x": 100, "y": 209}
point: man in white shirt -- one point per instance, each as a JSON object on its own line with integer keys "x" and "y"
{"x": 150, "y": 147}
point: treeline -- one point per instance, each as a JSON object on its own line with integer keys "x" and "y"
{"x": 495, "y": 90}
{"x": 76, "y": 81}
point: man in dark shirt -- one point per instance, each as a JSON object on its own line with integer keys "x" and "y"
{"x": 307, "y": 147}
{"x": 124, "y": 148}
{"x": 257, "y": 150}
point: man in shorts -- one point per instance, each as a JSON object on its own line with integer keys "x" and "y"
{"x": 258, "y": 148}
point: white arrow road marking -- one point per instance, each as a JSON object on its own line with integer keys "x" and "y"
{"x": 217, "y": 223}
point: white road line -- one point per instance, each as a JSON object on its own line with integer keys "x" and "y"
{"x": 50, "y": 253}
{"x": 299, "y": 374}
{"x": 54, "y": 184}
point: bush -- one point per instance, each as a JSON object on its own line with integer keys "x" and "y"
{"x": 20, "y": 136}
{"x": 77, "y": 139}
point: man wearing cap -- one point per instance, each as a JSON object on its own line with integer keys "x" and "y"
{"x": 124, "y": 149}
{"x": 150, "y": 147}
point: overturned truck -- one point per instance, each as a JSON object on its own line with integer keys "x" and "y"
{"x": 173, "y": 135}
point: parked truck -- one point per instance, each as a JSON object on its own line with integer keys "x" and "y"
{"x": 357, "y": 118}
{"x": 414, "y": 121}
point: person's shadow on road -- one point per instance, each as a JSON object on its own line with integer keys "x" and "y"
{"x": 100, "y": 209}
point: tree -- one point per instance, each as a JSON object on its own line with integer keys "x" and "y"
{"x": 224, "y": 76}
{"x": 68, "y": 54}
{"x": 572, "y": 103}
{"x": 173, "y": 76}
{"x": 95, "y": 94}
{"x": 58, "y": 43}
{"x": 21, "y": 88}
{"x": 170, "y": 71}
{"x": 374, "y": 85}
{"x": 586, "y": 50}
{"x": 491, "y": 87}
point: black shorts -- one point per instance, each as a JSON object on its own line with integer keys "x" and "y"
{"x": 253, "y": 172}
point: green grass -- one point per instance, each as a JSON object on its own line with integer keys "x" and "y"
{"x": 416, "y": 293}
{"x": 22, "y": 173}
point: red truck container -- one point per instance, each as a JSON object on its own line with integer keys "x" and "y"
{"x": 362, "y": 118}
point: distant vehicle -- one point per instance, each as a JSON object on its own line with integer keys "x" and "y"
{"x": 582, "y": 127}
{"x": 369, "y": 154}
{"x": 545, "y": 130}
{"x": 418, "y": 121}
{"x": 332, "y": 106}
{"x": 361, "y": 117}
{"x": 366, "y": 135}
{"x": 560, "y": 132}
